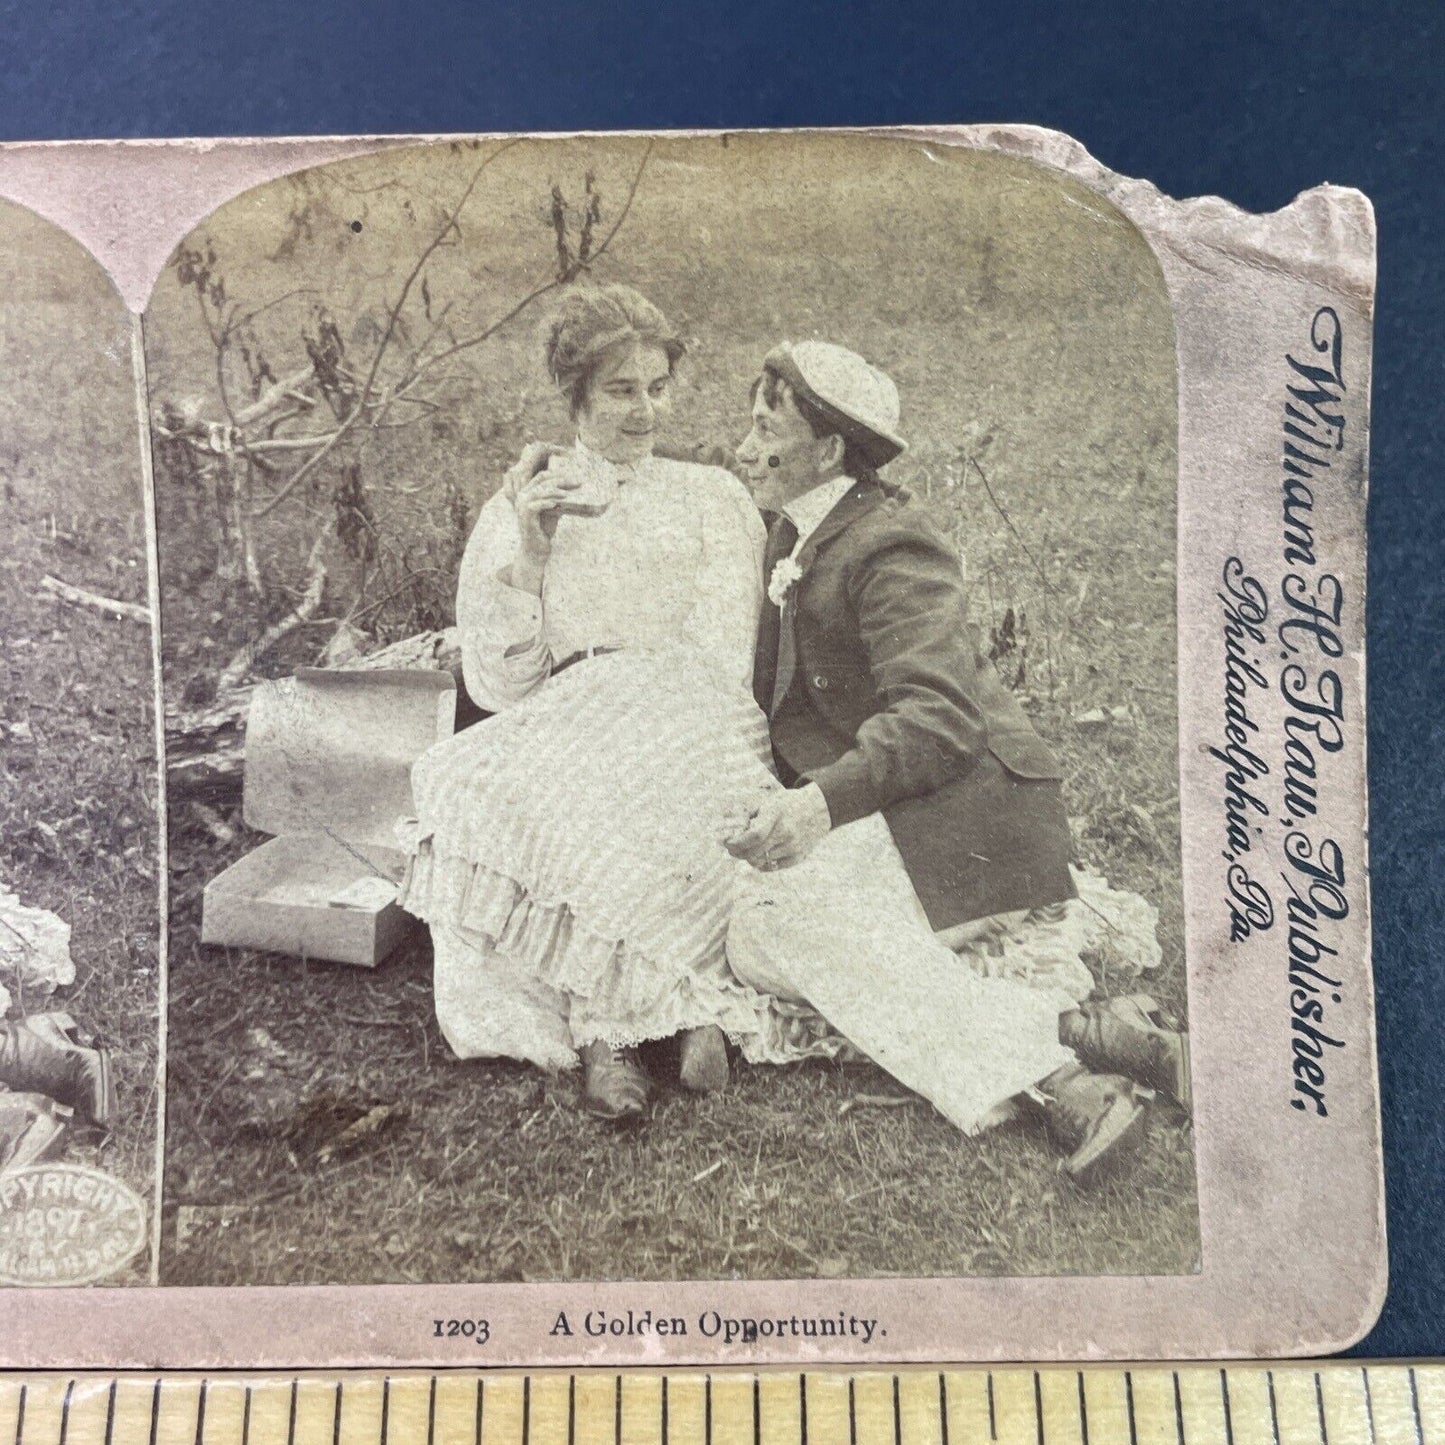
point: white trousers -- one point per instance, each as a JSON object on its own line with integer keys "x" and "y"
{"x": 844, "y": 932}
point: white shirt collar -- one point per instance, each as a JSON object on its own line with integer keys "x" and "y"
{"x": 808, "y": 511}
{"x": 598, "y": 465}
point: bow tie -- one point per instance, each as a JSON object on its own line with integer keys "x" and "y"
{"x": 782, "y": 538}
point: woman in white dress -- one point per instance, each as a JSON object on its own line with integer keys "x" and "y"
{"x": 569, "y": 852}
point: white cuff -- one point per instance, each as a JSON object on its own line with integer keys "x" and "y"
{"x": 510, "y": 614}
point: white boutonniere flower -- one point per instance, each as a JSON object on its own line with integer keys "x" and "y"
{"x": 786, "y": 574}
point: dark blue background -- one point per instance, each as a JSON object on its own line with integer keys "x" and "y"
{"x": 1253, "y": 102}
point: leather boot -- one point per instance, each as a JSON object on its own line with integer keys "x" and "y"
{"x": 615, "y": 1086}
{"x": 30, "y": 1133}
{"x": 1125, "y": 1036}
{"x": 703, "y": 1060}
{"x": 41, "y": 1055}
{"x": 1098, "y": 1120}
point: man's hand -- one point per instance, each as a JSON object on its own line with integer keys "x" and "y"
{"x": 785, "y": 829}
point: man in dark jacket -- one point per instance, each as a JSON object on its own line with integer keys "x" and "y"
{"x": 919, "y": 797}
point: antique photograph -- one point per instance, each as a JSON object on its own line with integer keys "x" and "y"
{"x": 79, "y": 920}
{"x": 671, "y": 685}
{"x": 680, "y": 749}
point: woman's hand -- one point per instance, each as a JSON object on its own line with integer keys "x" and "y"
{"x": 534, "y": 493}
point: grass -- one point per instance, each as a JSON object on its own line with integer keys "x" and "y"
{"x": 1034, "y": 348}
{"x": 78, "y": 832}
{"x": 489, "y": 1171}
{"x": 77, "y": 794}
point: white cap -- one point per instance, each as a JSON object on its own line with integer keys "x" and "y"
{"x": 845, "y": 382}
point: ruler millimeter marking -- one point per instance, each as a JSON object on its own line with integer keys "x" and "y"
{"x": 1330, "y": 1404}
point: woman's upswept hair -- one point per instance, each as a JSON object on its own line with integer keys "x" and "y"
{"x": 592, "y": 320}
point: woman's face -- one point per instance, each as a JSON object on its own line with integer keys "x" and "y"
{"x": 627, "y": 399}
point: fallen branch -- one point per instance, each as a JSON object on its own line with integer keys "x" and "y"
{"x": 79, "y": 597}
{"x": 207, "y": 766}
{"x": 362, "y": 1130}
{"x": 206, "y": 749}
{"x": 214, "y": 823}
{"x": 441, "y": 651}
{"x": 876, "y": 1101}
{"x": 289, "y": 387}
{"x": 241, "y": 664}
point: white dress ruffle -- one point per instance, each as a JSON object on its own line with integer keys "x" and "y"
{"x": 575, "y": 843}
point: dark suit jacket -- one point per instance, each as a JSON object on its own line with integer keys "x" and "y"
{"x": 891, "y": 709}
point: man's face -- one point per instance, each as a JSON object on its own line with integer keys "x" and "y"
{"x": 780, "y": 457}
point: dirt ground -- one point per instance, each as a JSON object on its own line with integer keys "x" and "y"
{"x": 78, "y": 780}
{"x": 1032, "y": 343}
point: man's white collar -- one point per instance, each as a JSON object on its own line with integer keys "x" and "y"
{"x": 808, "y": 511}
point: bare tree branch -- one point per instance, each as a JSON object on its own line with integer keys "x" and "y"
{"x": 626, "y": 205}
{"x": 421, "y": 261}
{"x": 400, "y": 371}
{"x": 466, "y": 343}
{"x": 305, "y": 469}
{"x": 247, "y": 317}
{"x": 1009, "y": 523}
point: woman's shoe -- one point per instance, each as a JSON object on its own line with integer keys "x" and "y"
{"x": 1126, "y": 1036}
{"x": 703, "y": 1061}
{"x": 41, "y": 1054}
{"x": 1098, "y": 1120}
{"x": 614, "y": 1086}
{"x": 30, "y": 1133}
